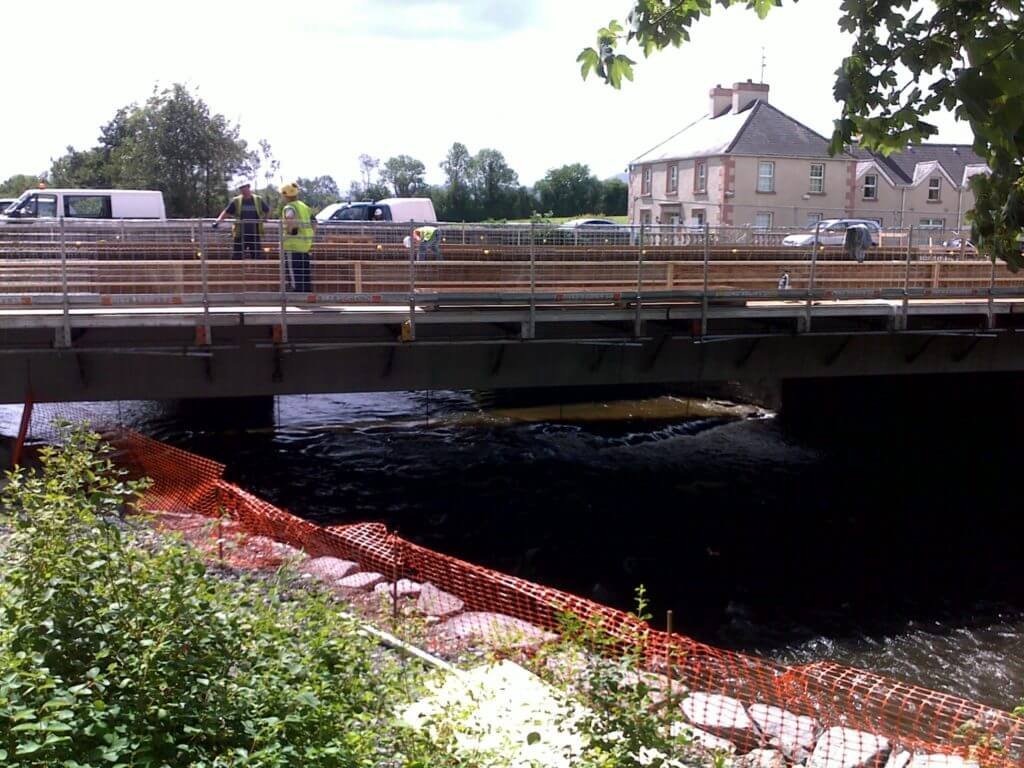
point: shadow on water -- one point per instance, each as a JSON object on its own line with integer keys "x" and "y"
{"x": 894, "y": 549}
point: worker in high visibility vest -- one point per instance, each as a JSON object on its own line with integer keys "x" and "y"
{"x": 297, "y": 239}
{"x": 426, "y": 240}
{"x": 248, "y": 211}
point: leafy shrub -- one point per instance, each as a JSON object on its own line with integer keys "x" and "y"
{"x": 119, "y": 648}
{"x": 622, "y": 717}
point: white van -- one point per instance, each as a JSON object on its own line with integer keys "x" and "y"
{"x": 88, "y": 204}
{"x": 418, "y": 209}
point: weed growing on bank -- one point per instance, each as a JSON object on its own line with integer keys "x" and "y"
{"x": 623, "y": 710}
{"x": 121, "y": 648}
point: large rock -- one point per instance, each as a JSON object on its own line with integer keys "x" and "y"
{"x": 847, "y": 748}
{"x": 795, "y": 735}
{"x": 359, "y": 582}
{"x": 437, "y": 602}
{"x": 723, "y": 716}
{"x": 904, "y": 759}
{"x": 401, "y": 588}
{"x": 496, "y": 630}
{"x": 761, "y": 758}
{"x": 328, "y": 569}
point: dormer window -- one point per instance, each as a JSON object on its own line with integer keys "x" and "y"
{"x": 870, "y": 187}
{"x": 934, "y": 189}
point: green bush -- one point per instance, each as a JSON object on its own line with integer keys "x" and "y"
{"x": 120, "y": 648}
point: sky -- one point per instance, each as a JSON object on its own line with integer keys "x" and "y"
{"x": 324, "y": 82}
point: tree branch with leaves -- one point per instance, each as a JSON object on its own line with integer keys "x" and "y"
{"x": 909, "y": 60}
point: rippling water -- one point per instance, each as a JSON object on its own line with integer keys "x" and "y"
{"x": 903, "y": 558}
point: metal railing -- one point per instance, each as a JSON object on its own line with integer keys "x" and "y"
{"x": 185, "y": 262}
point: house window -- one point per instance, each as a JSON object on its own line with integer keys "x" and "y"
{"x": 700, "y": 176}
{"x": 933, "y": 223}
{"x": 934, "y": 189}
{"x": 817, "y": 178}
{"x": 645, "y": 183}
{"x": 645, "y": 218}
{"x": 765, "y": 176}
{"x": 871, "y": 187}
{"x": 763, "y": 220}
{"x": 698, "y": 216}
{"x": 673, "y": 178}
{"x": 812, "y": 219}
{"x": 673, "y": 219}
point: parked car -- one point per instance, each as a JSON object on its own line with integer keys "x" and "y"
{"x": 957, "y": 243}
{"x": 418, "y": 209}
{"x": 345, "y": 212}
{"x": 594, "y": 231}
{"x": 87, "y": 204}
{"x": 575, "y": 224}
{"x": 833, "y": 232}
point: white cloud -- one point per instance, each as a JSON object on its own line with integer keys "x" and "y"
{"x": 325, "y": 82}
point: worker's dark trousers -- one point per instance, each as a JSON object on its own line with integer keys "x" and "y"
{"x": 297, "y": 271}
{"x": 246, "y": 244}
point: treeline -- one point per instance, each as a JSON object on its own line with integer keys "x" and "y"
{"x": 174, "y": 143}
{"x": 482, "y": 186}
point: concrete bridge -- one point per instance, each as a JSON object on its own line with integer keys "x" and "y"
{"x": 158, "y": 312}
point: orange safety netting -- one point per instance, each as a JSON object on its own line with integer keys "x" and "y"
{"x": 747, "y": 700}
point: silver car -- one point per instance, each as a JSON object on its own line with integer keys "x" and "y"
{"x": 833, "y": 232}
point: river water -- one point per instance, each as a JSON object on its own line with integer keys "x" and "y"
{"x": 899, "y": 556}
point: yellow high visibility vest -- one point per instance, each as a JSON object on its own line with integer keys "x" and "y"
{"x": 237, "y": 203}
{"x": 426, "y": 234}
{"x": 303, "y": 241}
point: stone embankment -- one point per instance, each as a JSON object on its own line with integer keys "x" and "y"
{"x": 753, "y": 735}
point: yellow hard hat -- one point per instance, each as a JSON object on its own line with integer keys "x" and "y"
{"x": 290, "y": 190}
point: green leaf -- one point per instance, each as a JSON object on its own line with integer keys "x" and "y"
{"x": 532, "y": 737}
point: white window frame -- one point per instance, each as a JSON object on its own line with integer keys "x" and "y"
{"x": 873, "y": 186}
{"x": 813, "y": 219}
{"x": 757, "y": 218}
{"x": 645, "y": 180}
{"x": 699, "y": 216}
{"x": 645, "y": 218}
{"x": 700, "y": 176}
{"x": 817, "y": 182}
{"x": 935, "y": 186}
{"x": 672, "y": 182}
{"x": 765, "y": 182}
{"x": 933, "y": 223}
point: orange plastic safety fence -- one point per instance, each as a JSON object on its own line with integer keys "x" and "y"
{"x": 749, "y": 701}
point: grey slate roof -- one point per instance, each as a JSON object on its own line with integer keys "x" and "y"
{"x": 771, "y": 132}
{"x": 900, "y": 165}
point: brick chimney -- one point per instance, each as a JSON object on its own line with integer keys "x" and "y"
{"x": 721, "y": 100}
{"x": 744, "y": 94}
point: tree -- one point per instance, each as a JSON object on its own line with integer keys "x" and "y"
{"x": 569, "y": 190}
{"x": 19, "y": 182}
{"x": 319, "y": 191}
{"x": 367, "y": 165}
{"x": 371, "y": 192}
{"x": 457, "y": 167}
{"x": 172, "y": 143}
{"x": 494, "y": 183}
{"x": 909, "y": 59}
{"x": 614, "y": 198}
{"x": 405, "y": 175}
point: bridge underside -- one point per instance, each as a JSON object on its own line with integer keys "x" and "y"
{"x": 162, "y": 354}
